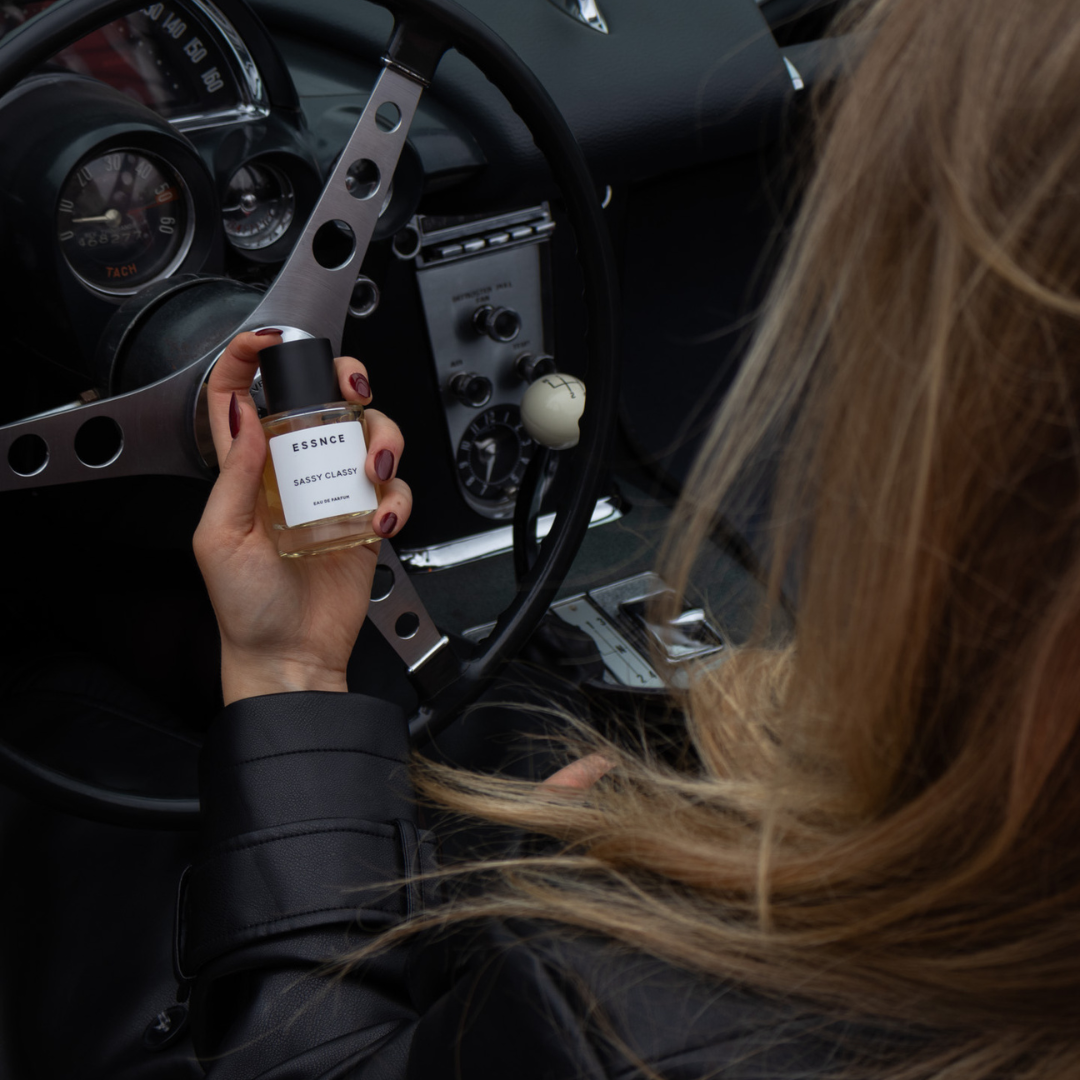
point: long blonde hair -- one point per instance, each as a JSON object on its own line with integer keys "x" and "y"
{"x": 883, "y": 816}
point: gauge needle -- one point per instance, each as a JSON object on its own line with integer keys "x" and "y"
{"x": 150, "y": 206}
{"x": 110, "y": 217}
{"x": 246, "y": 205}
{"x": 488, "y": 449}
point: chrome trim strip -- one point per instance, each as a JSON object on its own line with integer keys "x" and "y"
{"x": 793, "y": 74}
{"x": 585, "y": 12}
{"x": 496, "y": 542}
{"x": 241, "y": 114}
{"x": 444, "y": 640}
{"x": 402, "y": 69}
{"x": 531, "y": 215}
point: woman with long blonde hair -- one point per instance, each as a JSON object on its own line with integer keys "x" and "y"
{"x": 869, "y": 864}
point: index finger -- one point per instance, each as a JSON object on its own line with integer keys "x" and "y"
{"x": 233, "y": 374}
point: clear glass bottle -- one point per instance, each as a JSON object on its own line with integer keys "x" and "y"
{"x": 319, "y": 496}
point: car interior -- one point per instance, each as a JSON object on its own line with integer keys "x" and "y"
{"x": 474, "y": 200}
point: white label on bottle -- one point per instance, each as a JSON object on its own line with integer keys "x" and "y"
{"x": 320, "y": 473}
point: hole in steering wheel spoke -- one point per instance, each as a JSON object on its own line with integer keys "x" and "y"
{"x": 383, "y": 584}
{"x": 363, "y": 179}
{"x": 388, "y": 117}
{"x": 407, "y": 624}
{"x": 333, "y": 244}
{"x": 98, "y": 442}
{"x": 28, "y": 455}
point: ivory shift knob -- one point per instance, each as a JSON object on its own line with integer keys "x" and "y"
{"x": 551, "y": 409}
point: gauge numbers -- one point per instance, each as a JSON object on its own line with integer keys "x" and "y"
{"x": 123, "y": 220}
{"x": 493, "y": 454}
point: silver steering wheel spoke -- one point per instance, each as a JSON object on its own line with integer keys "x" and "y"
{"x": 144, "y": 432}
{"x": 309, "y": 295}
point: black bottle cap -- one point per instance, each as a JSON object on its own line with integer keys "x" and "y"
{"x": 297, "y": 374}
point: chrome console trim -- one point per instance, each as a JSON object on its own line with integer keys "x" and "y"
{"x": 469, "y": 549}
{"x": 621, "y": 645}
{"x": 440, "y": 245}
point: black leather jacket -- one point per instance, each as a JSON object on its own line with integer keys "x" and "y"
{"x": 311, "y": 830}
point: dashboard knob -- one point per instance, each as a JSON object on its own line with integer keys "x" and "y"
{"x": 499, "y": 323}
{"x": 471, "y": 389}
{"x": 551, "y": 409}
{"x": 529, "y": 368}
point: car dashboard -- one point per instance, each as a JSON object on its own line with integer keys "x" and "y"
{"x": 189, "y": 141}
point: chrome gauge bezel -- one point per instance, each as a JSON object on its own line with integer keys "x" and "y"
{"x": 163, "y": 164}
{"x": 281, "y": 228}
{"x": 491, "y": 498}
{"x": 255, "y": 103}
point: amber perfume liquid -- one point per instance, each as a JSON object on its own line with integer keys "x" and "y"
{"x": 319, "y": 495}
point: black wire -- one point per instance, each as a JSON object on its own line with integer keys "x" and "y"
{"x": 63, "y": 792}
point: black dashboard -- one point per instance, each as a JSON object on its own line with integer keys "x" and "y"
{"x": 188, "y": 142}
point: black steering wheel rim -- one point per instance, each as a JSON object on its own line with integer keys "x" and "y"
{"x": 425, "y": 28}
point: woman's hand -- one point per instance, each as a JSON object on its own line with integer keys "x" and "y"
{"x": 286, "y": 624}
{"x": 579, "y": 775}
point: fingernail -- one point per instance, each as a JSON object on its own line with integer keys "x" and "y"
{"x": 388, "y": 524}
{"x": 266, "y": 330}
{"x": 234, "y": 417}
{"x": 384, "y": 464}
{"x": 360, "y": 385}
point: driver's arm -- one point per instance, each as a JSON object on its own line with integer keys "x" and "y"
{"x": 311, "y": 847}
{"x": 311, "y": 844}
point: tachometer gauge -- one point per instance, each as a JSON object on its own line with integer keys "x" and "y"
{"x": 123, "y": 220}
{"x": 259, "y": 206}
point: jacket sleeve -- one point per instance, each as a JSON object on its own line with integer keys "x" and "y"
{"x": 310, "y": 846}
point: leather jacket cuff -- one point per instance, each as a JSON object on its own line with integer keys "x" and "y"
{"x": 283, "y": 758}
{"x": 309, "y": 821}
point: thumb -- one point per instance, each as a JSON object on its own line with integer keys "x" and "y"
{"x": 233, "y": 502}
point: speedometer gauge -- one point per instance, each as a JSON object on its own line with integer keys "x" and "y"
{"x": 123, "y": 220}
{"x": 184, "y": 60}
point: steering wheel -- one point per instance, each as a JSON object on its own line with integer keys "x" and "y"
{"x": 157, "y": 422}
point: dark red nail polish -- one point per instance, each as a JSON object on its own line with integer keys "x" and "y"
{"x": 360, "y": 385}
{"x": 388, "y": 524}
{"x": 266, "y": 330}
{"x": 384, "y": 464}
{"x": 234, "y": 417}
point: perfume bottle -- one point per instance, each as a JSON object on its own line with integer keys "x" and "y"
{"x": 319, "y": 495}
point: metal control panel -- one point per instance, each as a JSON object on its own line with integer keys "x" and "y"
{"x": 485, "y": 288}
